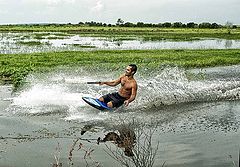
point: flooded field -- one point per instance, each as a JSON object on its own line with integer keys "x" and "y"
{"x": 193, "y": 114}
{"x": 47, "y": 42}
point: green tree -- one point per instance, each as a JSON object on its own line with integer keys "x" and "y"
{"x": 205, "y": 25}
{"x": 128, "y": 24}
{"x": 177, "y": 25}
{"x": 191, "y": 25}
{"x": 167, "y": 24}
{"x": 119, "y": 22}
{"x": 140, "y": 24}
{"x": 215, "y": 25}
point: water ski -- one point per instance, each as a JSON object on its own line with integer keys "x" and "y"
{"x": 96, "y": 103}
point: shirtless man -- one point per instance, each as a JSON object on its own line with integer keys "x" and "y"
{"x": 127, "y": 92}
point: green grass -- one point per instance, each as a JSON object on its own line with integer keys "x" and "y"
{"x": 30, "y": 43}
{"x": 15, "y": 67}
{"x": 146, "y": 33}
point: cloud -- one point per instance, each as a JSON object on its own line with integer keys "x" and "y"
{"x": 109, "y": 11}
{"x": 3, "y": 12}
{"x": 98, "y": 7}
{"x": 2, "y": 2}
{"x": 48, "y": 2}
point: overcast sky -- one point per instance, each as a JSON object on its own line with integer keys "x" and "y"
{"x": 108, "y": 11}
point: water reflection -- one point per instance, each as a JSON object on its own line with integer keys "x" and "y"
{"x": 228, "y": 43}
{"x": 24, "y": 43}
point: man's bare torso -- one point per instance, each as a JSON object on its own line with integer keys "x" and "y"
{"x": 126, "y": 87}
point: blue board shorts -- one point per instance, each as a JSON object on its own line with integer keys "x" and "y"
{"x": 115, "y": 98}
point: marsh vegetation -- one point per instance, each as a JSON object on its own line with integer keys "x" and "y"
{"x": 148, "y": 32}
{"x": 17, "y": 66}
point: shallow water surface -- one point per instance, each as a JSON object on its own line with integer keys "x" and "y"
{"x": 47, "y": 42}
{"x": 196, "y": 121}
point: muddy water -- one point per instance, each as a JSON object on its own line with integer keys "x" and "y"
{"x": 45, "y": 42}
{"x": 196, "y": 113}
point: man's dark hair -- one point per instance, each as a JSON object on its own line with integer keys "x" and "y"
{"x": 133, "y": 67}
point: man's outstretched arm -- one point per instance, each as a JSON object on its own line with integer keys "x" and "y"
{"x": 112, "y": 83}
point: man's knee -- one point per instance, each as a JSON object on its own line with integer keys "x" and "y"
{"x": 101, "y": 99}
{"x": 110, "y": 104}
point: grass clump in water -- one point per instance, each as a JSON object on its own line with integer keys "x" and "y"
{"x": 29, "y": 43}
{"x": 17, "y": 66}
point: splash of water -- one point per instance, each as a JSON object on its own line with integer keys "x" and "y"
{"x": 172, "y": 86}
{"x": 62, "y": 92}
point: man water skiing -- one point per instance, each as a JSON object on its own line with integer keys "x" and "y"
{"x": 127, "y": 92}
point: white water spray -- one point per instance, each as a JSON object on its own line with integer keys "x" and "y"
{"x": 63, "y": 92}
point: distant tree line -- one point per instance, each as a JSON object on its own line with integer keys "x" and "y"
{"x": 121, "y": 23}
{"x": 161, "y": 25}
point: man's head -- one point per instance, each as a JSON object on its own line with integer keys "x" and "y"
{"x": 131, "y": 70}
